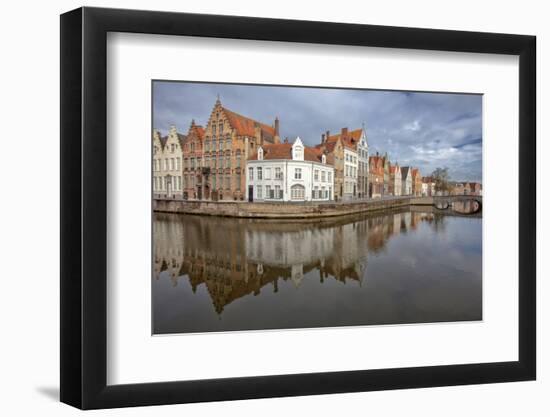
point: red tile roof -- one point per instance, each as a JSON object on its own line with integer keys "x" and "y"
{"x": 246, "y": 126}
{"x": 350, "y": 140}
{"x": 284, "y": 151}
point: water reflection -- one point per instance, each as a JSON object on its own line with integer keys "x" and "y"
{"x": 213, "y": 274}
{"x": 466, "y": 206}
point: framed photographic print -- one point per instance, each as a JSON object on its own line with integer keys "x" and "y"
{"x": 257, "y": 208}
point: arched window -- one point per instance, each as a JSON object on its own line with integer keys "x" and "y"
{"x": 297, "y": 192}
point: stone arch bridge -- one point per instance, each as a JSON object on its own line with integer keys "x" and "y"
{"x": 466, "y": 205}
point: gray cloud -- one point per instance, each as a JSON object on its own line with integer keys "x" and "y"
{"x": 427, "y": 130}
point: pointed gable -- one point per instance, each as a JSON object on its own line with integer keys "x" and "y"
{"x": 349, "y": 139}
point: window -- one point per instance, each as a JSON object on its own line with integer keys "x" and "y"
{"x": 323, "y": 176}
{"x": 213, "y": 145}
{"x": 315, "y": 192}
{"x": 238, "y": 158}
{"x": 268, "y": 191}
{"x": 238, "y": 185}
{"x": 172, "y": 148}
{"x": 192, "y": 146}
{"x": 213, "y": 129}
{"x": 227, "y": 182}
{"x": 259, "y": 191}
{"x": 220, "y": 127}
{"x": 316, "y": 175}
{"x": 268, "y": 173}
{"x": 278, "y": 193}
{"x": 259, "y": 173}
{"x": 177, "y": 163}
{"x": 278, "y": 174}
{"x": 251, "y": 174}
{"x": 297, "y": 192}
{"x": 297, "y": 173}
{"x": 323, "y": 192}
{"x": 192, "y": 163}
{"x": 221, "y": 144}
{"x": 166, "y": 164}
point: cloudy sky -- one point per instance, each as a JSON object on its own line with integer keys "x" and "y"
{"x": 427, "y": 130}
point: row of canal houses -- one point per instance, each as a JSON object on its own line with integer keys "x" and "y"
{"x": 234, "y": 157}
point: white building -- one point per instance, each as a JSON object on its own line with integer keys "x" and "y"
{"x": 289, "y": 172}
{"x": 406, "y": 181}
{"x": 167, "y": 164}
{"x": 350, "y": 173}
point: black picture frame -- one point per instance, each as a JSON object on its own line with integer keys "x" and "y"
{"x": 84, "y": 207}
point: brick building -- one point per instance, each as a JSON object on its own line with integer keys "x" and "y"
{"x": 229, "y": 139}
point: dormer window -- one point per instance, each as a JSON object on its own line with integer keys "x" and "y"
{"x": 260, "y": 154}
{"x": 298, "y": 153}
{"x": 324, "y": 159}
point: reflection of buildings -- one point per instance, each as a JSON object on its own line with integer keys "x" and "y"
{"x": 235, "y": 258}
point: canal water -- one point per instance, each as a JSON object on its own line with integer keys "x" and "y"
{"x": 395, "y": 267}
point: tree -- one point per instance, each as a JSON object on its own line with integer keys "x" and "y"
{"x": 441, "y": 179}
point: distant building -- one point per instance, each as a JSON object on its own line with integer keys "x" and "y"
{"x": 416, "y": 182}
{"x": 386, "y": 165}
{"x": 289, "y": 172}
{"x": 428, "y": 186}
{"x": 474, "y": 188}
{"x": 406, "y": 181}
{"x": 376, "y": 176}
{"x": 466, "y": 188}
{"x": 395, "y": 187}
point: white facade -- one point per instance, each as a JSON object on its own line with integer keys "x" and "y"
{"x": 363, "y": 165}
{"x": 167, "y": 165}
{"x": 289, "y": 179}
{"x": 406, "y": 181}
{"x": 428, "y": 188}
{"x": 397, "y": 182}
{"x": 351, "y": 172}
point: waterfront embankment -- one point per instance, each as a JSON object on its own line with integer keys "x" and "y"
{"x": 278, "y": 210}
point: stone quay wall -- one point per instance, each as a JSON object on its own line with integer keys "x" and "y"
{"x": 278, "y": 210}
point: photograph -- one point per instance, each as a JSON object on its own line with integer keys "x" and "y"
{"x": 291, "y": 207}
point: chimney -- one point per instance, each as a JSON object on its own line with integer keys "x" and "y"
{"x": 276, "y": 126}
{"x": 323, "y": 138}
{"x": 344, "y": 132}
{"x": 328, "y": 134}
{"x": 286, "y": 140}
